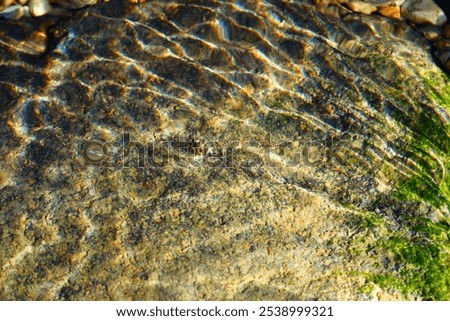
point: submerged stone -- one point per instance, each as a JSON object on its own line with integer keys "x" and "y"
{"x": 255, "y": 150}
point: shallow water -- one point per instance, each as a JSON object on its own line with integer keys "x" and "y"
{"x": 235, "y": 135}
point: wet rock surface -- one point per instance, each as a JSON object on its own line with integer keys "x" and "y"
{"x": 215, "y": 150}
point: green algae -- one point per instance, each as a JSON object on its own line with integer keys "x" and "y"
{"x": 416, "y": 255}
{"x": 429, "y": 148}
{"x": 438, "y": 86}
{"x": 422, "y": 260}
{"x": 420, "y": 248}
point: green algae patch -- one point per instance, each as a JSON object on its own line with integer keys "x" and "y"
{"x": 419, "y": 250}
{"x": 422, "y": 260}
{"x": 429, "y": 145}
{"x": 413, "y": 257}
{"x": 438, "y": 85}
{"x": 429, "y": 150}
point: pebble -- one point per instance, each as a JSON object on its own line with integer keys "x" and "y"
{"x": 15, "y": 12}
{"x": 327, "y": 2}
{"x": 362, "y": 7}
{"x": 5, "y": 3}
{"x": 39, "y": 7}
{"x": 430, "y": 32}
{"x": 442, "y": 45}
{"x": 391, "y": 11}
{"x": 423, "y": 12}
{"x": 15, "y": 9}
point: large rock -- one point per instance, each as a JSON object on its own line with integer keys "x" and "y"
{"x": 423, "y": 12}
{"x": 221, "y": 150}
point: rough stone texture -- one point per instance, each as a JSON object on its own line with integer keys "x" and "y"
{"x": 258, "y": 135}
